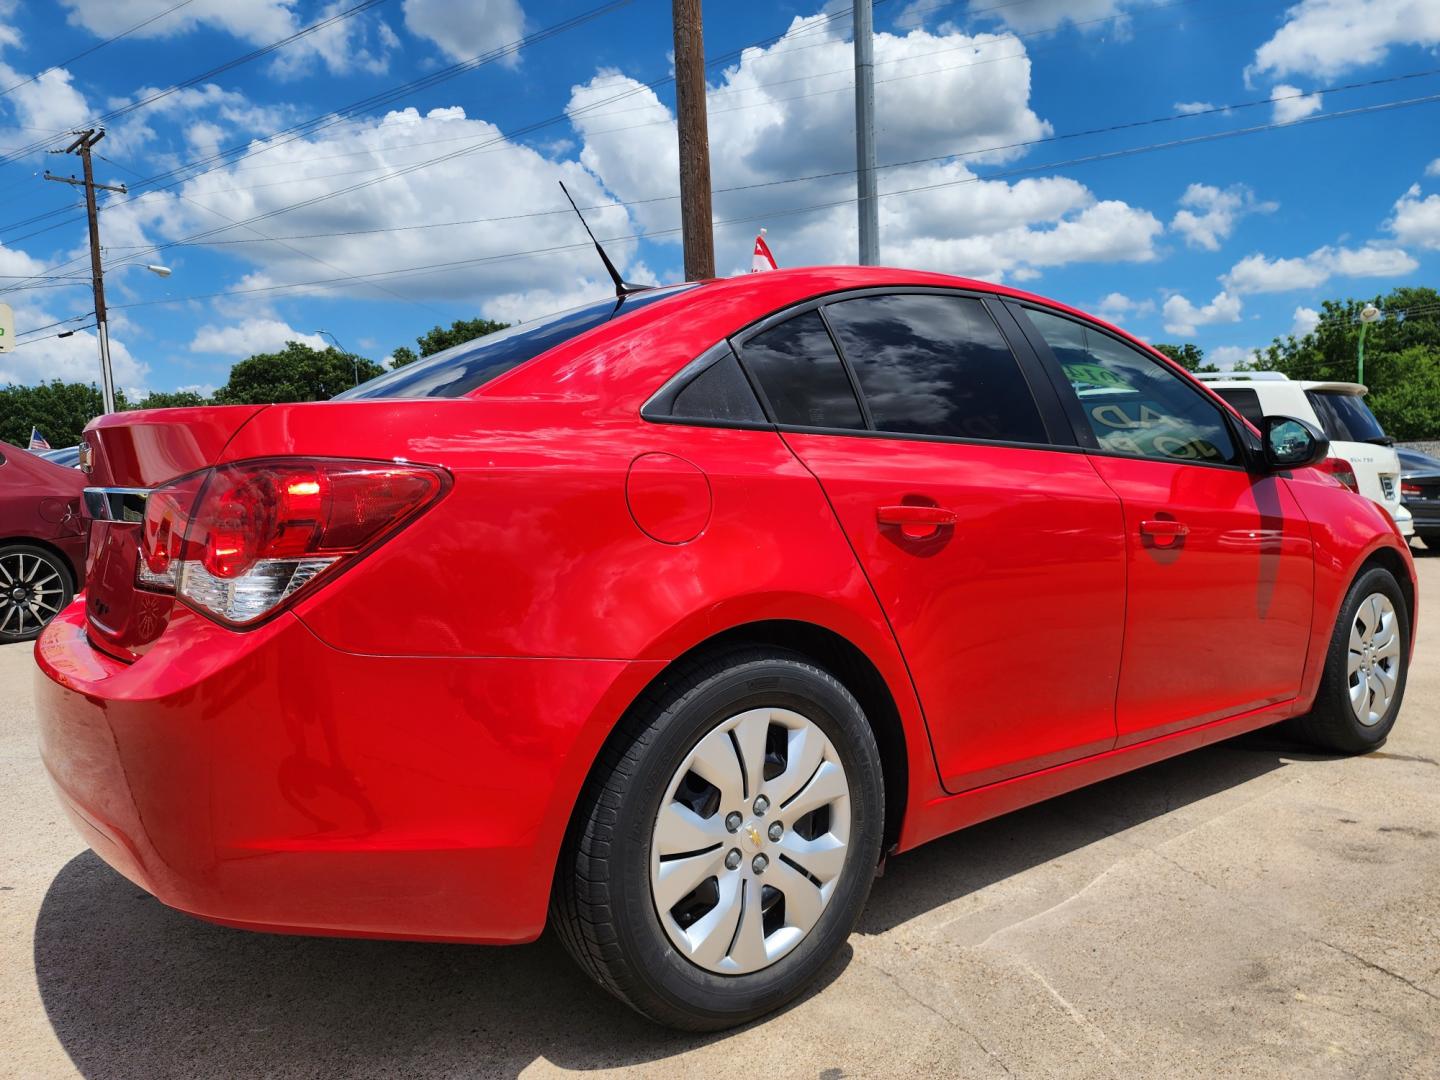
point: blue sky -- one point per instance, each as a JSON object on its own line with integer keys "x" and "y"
{"x": 287, "y": 198}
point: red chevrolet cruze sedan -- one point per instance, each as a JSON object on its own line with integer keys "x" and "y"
{"x": 667, "y": 618}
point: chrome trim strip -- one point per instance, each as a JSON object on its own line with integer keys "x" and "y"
{"x": 116, "y": 503}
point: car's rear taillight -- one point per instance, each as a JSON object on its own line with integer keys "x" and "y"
{"x": 1342, "y": 471}
{"x": 1412, "y": 490}
{"x": 238, "y": 541}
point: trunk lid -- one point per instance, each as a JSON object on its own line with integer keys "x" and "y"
{"x": 142, "y": 450}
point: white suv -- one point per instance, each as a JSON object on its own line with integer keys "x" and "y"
{"x": 1339, "y": 410}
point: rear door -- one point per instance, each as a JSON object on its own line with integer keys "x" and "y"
{"x": 1220, "y": 571}
{"x": 997, "y": 556}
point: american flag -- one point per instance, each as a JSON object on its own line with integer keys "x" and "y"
{"x": 38, "y": 441}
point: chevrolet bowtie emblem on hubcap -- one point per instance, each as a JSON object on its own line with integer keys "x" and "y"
{"x": 754, "y": 834}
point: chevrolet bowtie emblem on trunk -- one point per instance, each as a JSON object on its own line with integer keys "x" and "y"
{"x": 754, "y": 834}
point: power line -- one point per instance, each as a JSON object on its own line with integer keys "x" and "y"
{"x": 1063, "y": 136}
{"x": 234, "y": 62}
{"x": 95, "y": 48}
{"x": 798, "y": 210}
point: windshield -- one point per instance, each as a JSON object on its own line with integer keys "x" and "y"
{"x": 1345, "y": 417}
{"x": 459, "y": 370}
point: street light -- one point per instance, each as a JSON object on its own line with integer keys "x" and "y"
{"x": 159, "y": 271}
{"x": 1368, "y": 314}
{"x": 336, "y": 342}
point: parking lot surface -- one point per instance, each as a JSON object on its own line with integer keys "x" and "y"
{"x": 1251, "y": 909}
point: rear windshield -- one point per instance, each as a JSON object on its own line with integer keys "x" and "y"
{"x": 1345, "y": 417}
{"x": 459, "y": 370}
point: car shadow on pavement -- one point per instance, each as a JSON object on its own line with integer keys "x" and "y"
{"x": 969, "y": 860}
{"x": 135, "y": 989}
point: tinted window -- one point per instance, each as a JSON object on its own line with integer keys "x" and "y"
{"x": 1345, "y": 417}
{"x": 720, "y": 392}
{"x": 935, "y": 365}
{"x": 1132, "y": 403}
{"x": 1245, "y": 402}
{"x": 455, "y": 372}
{"x": 801, "y": 374}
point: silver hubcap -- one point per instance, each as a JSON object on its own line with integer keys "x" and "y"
{"x": 750, "y": 842}
{"x": 30, "y": 593}
{"x": 1374, "y": 662}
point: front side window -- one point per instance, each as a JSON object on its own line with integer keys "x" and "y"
{"x": 800, "y": 372}
{"x": 1133, "y": 404}
{"x": 1244, "y": 401}
{"x": 929, "y": 364}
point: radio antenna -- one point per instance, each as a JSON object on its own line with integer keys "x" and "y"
{"x": 622, "y": 287}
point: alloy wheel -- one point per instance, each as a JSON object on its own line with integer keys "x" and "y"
{"x": 1373, "y": 666}
{"x": 32, "y": 591}
{"x": 751, "y": 840}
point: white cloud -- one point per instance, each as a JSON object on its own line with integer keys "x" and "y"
{"x": 1033, "y": 15}
{"x": 44, "y": 356}
{"x": 762, "y": 134}
{"x": 1257, "y": 274}
{"x": 1292, "y": 104}
{"x": 1306, "y": 319}
{"x": 1417, "y": 220}
{"x": 1182, "y": 317}
{"x": 1116, "y": 306}
{"x": 1225, "y": 357}
{"x": 1190, "y": 108}
{"x": 1323, "y": 38}
{"x": 358, "y": 43}
{"x": 1433, "y": 169}
{"x": 1209, "y": 214}
{"x": 251, "y": 336}
{"x": 463, "y": 30}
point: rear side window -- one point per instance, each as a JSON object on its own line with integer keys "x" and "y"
{"x": 1345, "y": 417}
{"x": 935, "y": 365}
{"x": 1245, "y": 402}
{"x": 801, "y": 375}
{"x": 1134, "y": 404}
{"x": 720, "y": 392}
{"x": 468, "y": 366}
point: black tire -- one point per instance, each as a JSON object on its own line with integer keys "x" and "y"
{"x": 1332, "y": 724}
{"x": 602, "y": 906}
{"x": 12, "y": 629}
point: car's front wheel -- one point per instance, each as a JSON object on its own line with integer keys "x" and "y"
{"x": 724, "y": 848}
{"x": 1364, "y": 679}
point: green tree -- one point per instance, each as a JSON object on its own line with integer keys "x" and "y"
{"x": 1189, "y": 356}
{"x": 59, "y": 409}
{"x": 171, "y": 399}
{"x": 440, "y": 338}
{"x": 295, "y": 373}
{"x": 1402, "y": 357}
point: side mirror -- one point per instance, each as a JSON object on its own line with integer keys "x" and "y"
{"x": 1292, "y": 443}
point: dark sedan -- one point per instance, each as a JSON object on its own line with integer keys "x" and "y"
{"x": 42, "y": 541}
{"x": 1420, "y": 493}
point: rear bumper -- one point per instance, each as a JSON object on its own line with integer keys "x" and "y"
{"x": 269, "y": 781}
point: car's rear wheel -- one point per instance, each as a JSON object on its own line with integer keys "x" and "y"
{"x": 35, "y": 586}
{"x": 723, "y": 850}
{"x": 1364, "y": 679}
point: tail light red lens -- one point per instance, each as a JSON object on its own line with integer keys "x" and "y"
{"x": 1412, "y": 490}
{"x": 1342, "y": 471}
{"x": 238, "y": 541}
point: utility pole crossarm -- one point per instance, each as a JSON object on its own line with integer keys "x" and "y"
{"x": 119, "y": 189}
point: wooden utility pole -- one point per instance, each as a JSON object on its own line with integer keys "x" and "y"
{"x": 695, "y": 217}
{"x": 81, "y": 146}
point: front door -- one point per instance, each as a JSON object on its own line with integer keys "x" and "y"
{"x": 1219, "y": 556}
{"x": 998, "y": 559}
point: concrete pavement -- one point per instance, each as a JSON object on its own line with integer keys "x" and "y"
{"x": 1247, "y": 910}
